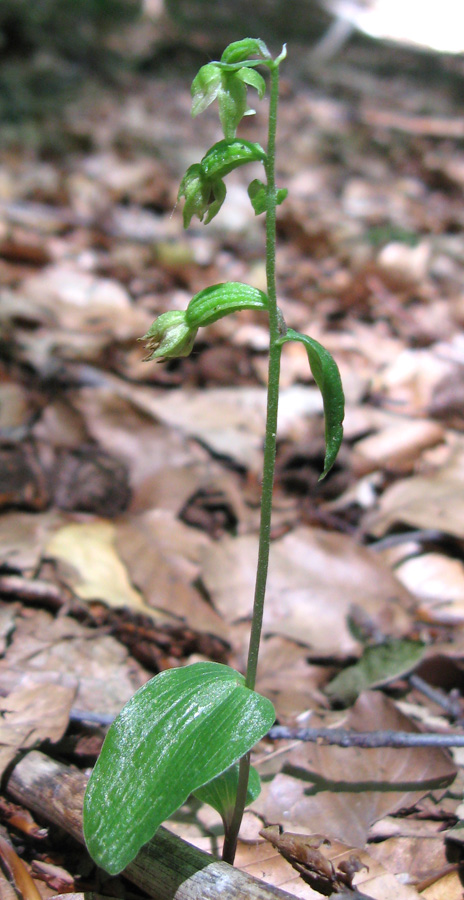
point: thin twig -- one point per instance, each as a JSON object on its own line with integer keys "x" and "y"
{"x": 339, "y": 736}
{"x": 369, "y": 739}
{"x": 451, "y": 705}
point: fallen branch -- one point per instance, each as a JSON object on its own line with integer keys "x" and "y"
{"x": 368, "y": 739}
{"x": 339, "y": 736}
{"x": 167, "y": 868}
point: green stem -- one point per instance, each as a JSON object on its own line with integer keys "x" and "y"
{"x": 275, "y": 332}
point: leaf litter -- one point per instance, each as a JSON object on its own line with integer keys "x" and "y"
{"x": 128, "y": 533}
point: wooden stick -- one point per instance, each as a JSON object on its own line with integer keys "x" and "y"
{"x": 167, "y": 868}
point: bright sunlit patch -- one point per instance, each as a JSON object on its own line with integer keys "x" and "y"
{"x": 425, "y": 23}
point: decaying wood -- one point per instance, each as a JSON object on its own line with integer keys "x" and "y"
{"x": 88, "y": 895}
{"x": 167, "y": 868}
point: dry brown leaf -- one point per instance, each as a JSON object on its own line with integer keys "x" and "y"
{"x": 32, "y": 715}
{"x": 55, "y": 877}
{"x": 265, "y": 862}
{"x": 17, "y": 871}
{"x": 410, "y": 381}
{"x": 262, "y": 861}
{"x": 340, "y": 792}
{"x": 419, "y": 857}
{"x": 438, "y": 582}
{"x": 46, "y": 650}
{"x": 396, "y": 448}
{"x": 285, "y": 676}
{"x": 90, "y": 564}
{"x": 23, "y": 536}
{"x": 229, "y": 421}
{"x": 315, "y": 577}
{"x": 74, "y": 300}
{"x": 447, "y": 888}
{"x": 425, "y": 501}
{"x": 7, "y": 891}
{"x": 161, "y": 555}
{"x": 126, "y": 431}
{"x": 303, "y": 853}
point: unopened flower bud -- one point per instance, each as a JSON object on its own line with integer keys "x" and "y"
{"x": 169, "y": 336}
{"x": 203, "y": 196}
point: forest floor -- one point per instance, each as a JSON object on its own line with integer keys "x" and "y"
{"x": 130, "y": 490}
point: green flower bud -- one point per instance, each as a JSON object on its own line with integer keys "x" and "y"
{"x": 170, "y": 336}
{"x": 203, "y": 195}
{"x": 229, "y": 86}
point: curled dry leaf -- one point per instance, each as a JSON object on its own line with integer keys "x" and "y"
{"x": 301, "y": 851}
{"x": 17, "y": 872}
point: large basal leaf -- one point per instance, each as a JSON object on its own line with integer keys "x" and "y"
{"x": 327, "y": 378}
{"x": 179, "y": 731}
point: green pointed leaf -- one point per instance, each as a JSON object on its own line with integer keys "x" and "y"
{"x": 239, "y": 51}
{"x": 205, "y": 87}
{"x": 327, "y": 378}
{"x": 221, "y": 792}
{"x": 212, "y": 303}
{"x": 253, "y": 79}
{"x": 179, "y": 731}
{"x": 227, "y": 155}
{"x": 258, "y": 196}
{"x": 378, "y": 665}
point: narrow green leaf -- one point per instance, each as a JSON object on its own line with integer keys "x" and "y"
{"x": 212, "y": 303}
{"x": 179, "y": 731}
{"x": 227, "y": 155}
{"x": 221, "y": 792}
{"x": 327, "y": 378}
{"x": 239, "y": 51}
{"x": 378, "y": 665}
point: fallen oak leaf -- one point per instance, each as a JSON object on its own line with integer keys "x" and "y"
{"x": 301, "y": 851}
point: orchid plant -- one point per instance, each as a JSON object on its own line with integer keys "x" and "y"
{"x": 190, "y": 730}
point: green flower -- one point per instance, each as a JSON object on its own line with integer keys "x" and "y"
{"x": 203, "y": 196}
{"x": 227, "y": 85}
{"x": 169, "y": 336}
